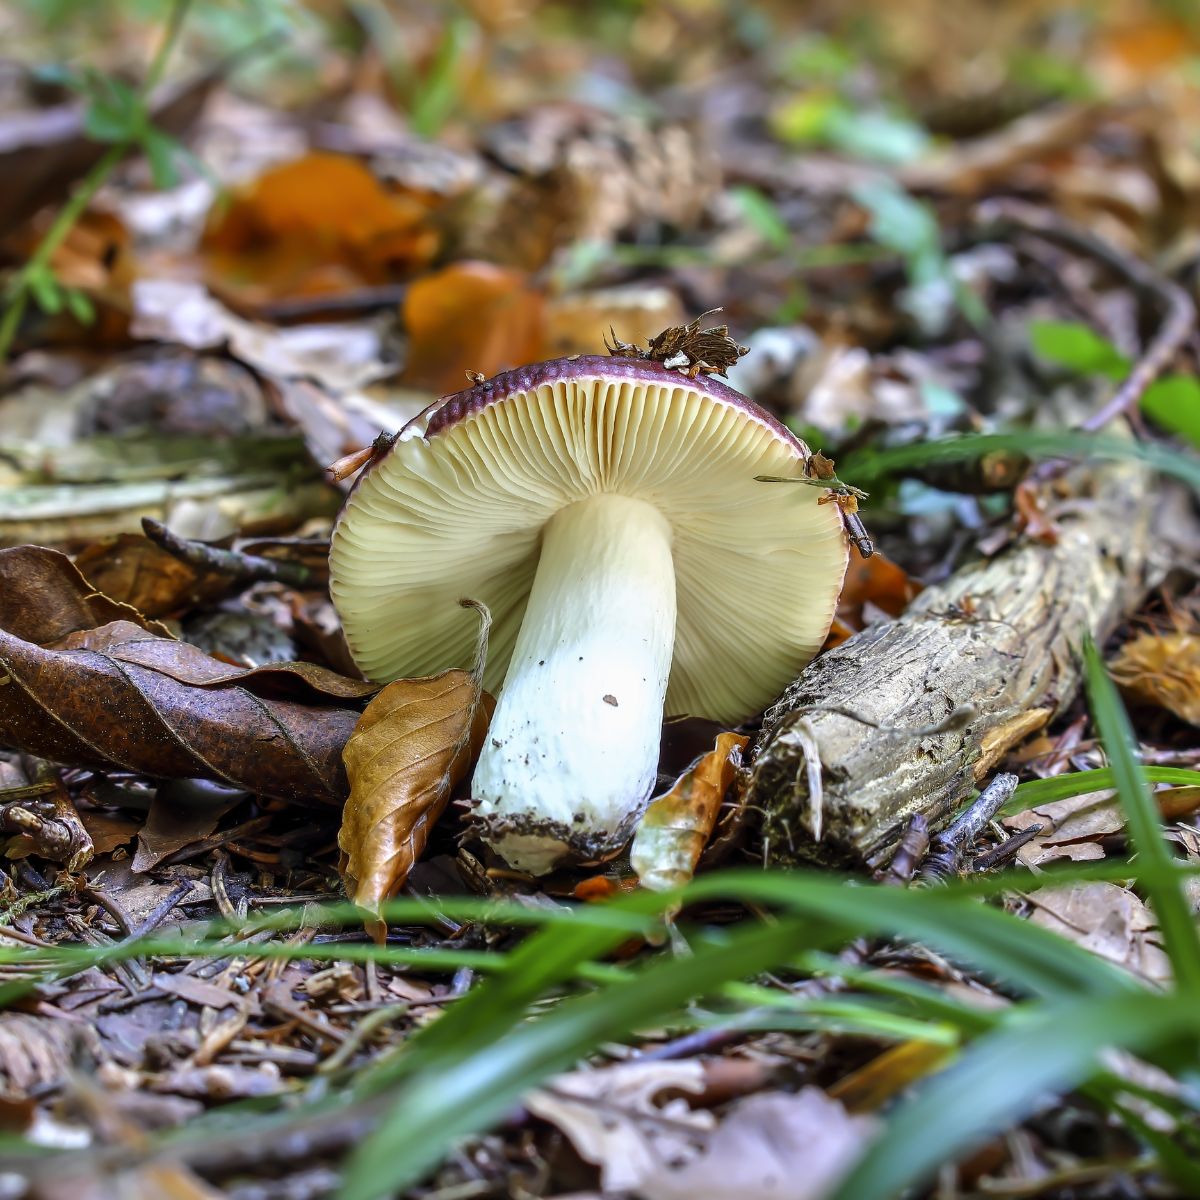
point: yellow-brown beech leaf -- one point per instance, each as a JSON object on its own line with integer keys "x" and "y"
{"x": 413, "y": 743}
{"x": 676, "y": 827}
{"x": 470, "y": 316}
{"x": 1162, "y": 670}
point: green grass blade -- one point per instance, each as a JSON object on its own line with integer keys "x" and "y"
{"x": 1024, "y": 955}
{"x": 464, "y": 1091}
{"x": 869, "y": 464}
{"x": 1002, "y": 1077}
{"x": 1175, "y": 922}
{"x": 1079, "y": 783}
{"x": 539, "y": 964}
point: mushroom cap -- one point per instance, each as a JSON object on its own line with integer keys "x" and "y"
{"x": 456, "y": 509}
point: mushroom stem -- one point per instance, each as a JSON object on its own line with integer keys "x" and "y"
{"x": 572, "y": 751}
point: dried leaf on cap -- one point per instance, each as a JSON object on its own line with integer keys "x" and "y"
{"x": 694, "y": 350}
{"x": 686, "y": 348}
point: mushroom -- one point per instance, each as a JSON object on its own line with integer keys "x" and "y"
{"x": 606, "y": 511}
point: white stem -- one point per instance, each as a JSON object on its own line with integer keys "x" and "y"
{"x": 572, "y": 751}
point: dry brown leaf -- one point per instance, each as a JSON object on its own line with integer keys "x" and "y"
{"x": 1107, "y": 919}
{"x": 674, "y": 829}
{"x": 88, "y": 681}
{"x": 471, "y": 316}
{"x": 179, "y": 819}
{"x": 1071, "y": 828}
{"x": 413, "y": 743}
{"x": 131, "y": 569}
{"x": 628, "y": 1117}
{"x": 1162, "y": 670}
{"x": 108, "y": 830}
{"x": 771, "y": 1146}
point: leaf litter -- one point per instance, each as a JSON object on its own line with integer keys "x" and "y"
{"x": 411, "y": 216}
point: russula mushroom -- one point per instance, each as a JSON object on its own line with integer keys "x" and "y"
{"x": 607, "y": 513}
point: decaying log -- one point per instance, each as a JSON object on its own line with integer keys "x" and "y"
{"x": 974, "y": 666}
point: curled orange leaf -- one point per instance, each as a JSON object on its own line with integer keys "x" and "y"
{"x": 676, "y": 827}
{"x": 412, "y": 745}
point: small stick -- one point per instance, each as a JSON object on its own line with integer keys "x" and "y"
{"x": 950, "y": 846}
{"x": 162, "y": 909}
{"x": 234, "y": 563}
{"x": 1179, "y": 313}
{"x": 914, "y": 845}
{"x": 1006, "y": 849}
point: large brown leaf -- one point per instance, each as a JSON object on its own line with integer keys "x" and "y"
{"x": 87, "y": 681}
{"x": 415, "y": 741}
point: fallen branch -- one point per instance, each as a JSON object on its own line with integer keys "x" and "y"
{"x": 235, "y": 563}
{"x": 994, "y": 647}
{"x": 949, "y": 849}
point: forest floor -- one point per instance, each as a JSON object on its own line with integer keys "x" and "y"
{"x": 961, "y": 249}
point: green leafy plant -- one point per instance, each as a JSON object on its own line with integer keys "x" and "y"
{"x": 1172, "y": 401}
{"x": 116, "y": 114}
{"x": 866, "y": 465}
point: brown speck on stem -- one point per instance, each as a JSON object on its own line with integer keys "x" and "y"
{"x": 610, "y": 699}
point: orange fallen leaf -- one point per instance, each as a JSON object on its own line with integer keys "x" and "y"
{"x": 414, "y": 742}
{"x": 675, "y": 828}
{"x": 1162, "y": 670}
{"x": 472, "y": 316}
{"x": 878, "y": 581}
{"x": 320, "y": 225}
{"x": 873, "y": 1084}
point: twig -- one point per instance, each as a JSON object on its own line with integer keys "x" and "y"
{"x": 700, "y": 1041}
{"x": 1006, "y": 849}
{"x": 110, "y": 906}
{"x": 234, "y": 563}
{"x": 1179, "y": 313}
{"x": 27, "y": 791}
{"x": 361, "y": 1033}
{"x": 162, "y": 909}
{"x": 914, "y": 845}
{"x": 950, "y": 846}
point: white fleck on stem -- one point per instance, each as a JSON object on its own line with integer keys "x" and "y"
{"x": 572, "y": 752}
